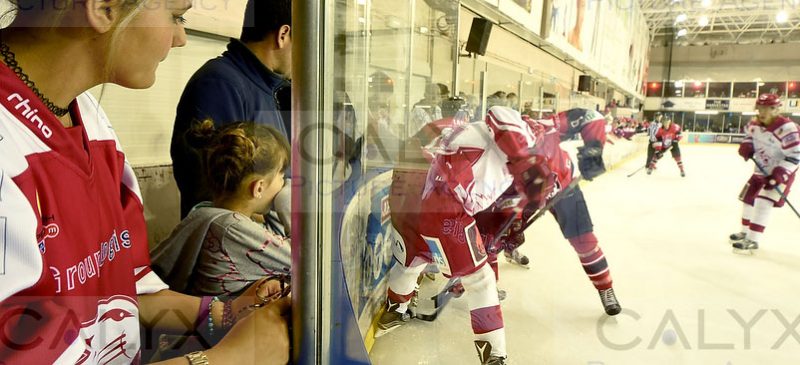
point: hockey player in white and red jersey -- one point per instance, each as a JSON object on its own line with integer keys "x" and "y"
{"x": 773, "y": 143}
{"x": 570, "y": 210}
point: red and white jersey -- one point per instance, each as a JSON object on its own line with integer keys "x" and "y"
{"x": 72, "y": 235}
{"x": 668, "y": 135}
{"x": 471, "y": 158}
{"x": 775, "y": 145}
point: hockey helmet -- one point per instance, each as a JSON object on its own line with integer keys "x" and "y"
{"x": 768, "y": 100}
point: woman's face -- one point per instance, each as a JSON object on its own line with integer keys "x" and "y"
{"x": 146, "y": 41}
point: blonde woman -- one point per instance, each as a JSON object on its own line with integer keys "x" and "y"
{"x": 75, "y": 282}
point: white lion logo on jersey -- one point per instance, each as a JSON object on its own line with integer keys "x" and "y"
{"x": 112, "y": 336}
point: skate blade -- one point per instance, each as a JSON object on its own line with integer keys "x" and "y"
{"x": 743, "y": 251}
{"x": 380, "y": 332}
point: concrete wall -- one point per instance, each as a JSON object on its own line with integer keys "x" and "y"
{"x": 769, "y": 62}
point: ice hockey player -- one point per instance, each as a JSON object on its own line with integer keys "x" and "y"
{"x": 773, "y": 143}
{"x": 570, "y": 211}
{"x": 667, "y": 138}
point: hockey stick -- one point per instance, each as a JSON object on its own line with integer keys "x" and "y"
{"x": 785, "y": 198}
{"x": 560, "y": 195}
{"x": 440, "y": 300}
{"x": 637, "y": 170}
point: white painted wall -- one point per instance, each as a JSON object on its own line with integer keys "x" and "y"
{"x": 769, "y": 62}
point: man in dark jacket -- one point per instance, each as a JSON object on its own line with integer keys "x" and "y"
{"x": 249, "y": 82}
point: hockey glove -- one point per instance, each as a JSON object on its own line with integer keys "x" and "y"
{"x": 746, "y": 150}
{"x": 533, "y": 178}
{"x": 779, "y": 176}
{"x": 658, "y": 146}
{"x": 659, "y": 154}
{"x": 590, "y": 160}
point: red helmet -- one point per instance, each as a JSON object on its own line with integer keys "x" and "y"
{"x": 769, "y": 100}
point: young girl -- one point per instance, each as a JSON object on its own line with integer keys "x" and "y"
{"x": 75, "y": 281}
{"x": 218, "y": 249}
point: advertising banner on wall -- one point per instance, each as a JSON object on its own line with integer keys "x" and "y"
{"x": 692, "y": 137}
{"x": 610, "y": 37}
{"x": 526, "y": 12}
{"x": 718, "y": 104}
{"x": 366, "y": 239}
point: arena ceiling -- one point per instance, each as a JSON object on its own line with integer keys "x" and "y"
{"x": 714, "y": 22}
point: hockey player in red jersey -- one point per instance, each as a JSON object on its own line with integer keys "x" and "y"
{"x": 667, "y": 138}
{"x": 570, "y": 211}
{"x": 773, "y": 143}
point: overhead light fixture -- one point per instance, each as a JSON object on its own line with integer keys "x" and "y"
{"x": 681, "y": 18}
{"x": 706, "y": 3}
{"x": 703, "y": 21}
{"x": 682, "y": 32}
{"x": 782, "y": 16}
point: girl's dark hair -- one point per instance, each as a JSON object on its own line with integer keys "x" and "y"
{"x": 235, "y": 151}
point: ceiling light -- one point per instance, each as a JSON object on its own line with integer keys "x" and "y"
{"x": 782, "y": 16}
{"x": 681, "y": 18}
{"x": 703, "y": 21}
{"x": 682, "y": 32}
{"x": 706, "y": 3}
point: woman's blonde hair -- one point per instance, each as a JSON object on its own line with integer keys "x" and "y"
{"x": 235, "y": 151}
{"x": 34, "y": 9}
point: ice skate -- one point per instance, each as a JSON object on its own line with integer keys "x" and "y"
{"x": 737, "y": 237}
{"x": 515, "y": 257}
{"x": 391, "y": 319}
{"x": 649, "y": 170}
{"x": 610, "y": 303}
{"x": 485, "y": 354}
{"x": 745, "y": 247}
{"x": 683, "y": 173}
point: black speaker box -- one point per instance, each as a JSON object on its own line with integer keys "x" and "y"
{"x": 479, "y": 36}
{"x": 584, "y": 83}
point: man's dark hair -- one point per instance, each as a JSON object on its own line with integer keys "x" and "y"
{"x": 262, "y": 17}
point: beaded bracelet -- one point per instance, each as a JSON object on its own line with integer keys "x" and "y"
{"x": 205, "y": 308}
{"x": 228, "y": 318}
{"x": 210, "y": 319}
